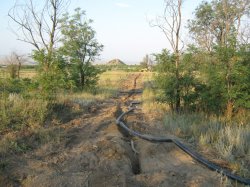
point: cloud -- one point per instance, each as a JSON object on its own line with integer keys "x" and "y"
{"x": 122, "y": 5}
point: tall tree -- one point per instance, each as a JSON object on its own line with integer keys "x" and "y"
{"x": 170, "y": 24}
{"x": 215, "y": 23}
{"x": 80, "y": 47}
{"x": 244, "y": 34}
{"x": 39, "y": 27}
{"x": 201, "y": 27}
{"x": 218, "y": 25}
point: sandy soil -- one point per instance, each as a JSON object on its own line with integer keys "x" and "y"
{"x": 94, "y": 152}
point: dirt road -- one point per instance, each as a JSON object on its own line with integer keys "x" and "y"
{"x": 94, "y": 152}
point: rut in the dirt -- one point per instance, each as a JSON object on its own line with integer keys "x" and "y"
{"x": 155, "y": 163}
{"x": 135, "y": 164}
{"x": 93, "y": 152}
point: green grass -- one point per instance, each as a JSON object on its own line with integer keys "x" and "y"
{"x": 17, "y": 112}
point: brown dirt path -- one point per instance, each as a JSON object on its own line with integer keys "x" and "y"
{"x": 94, "y": 152}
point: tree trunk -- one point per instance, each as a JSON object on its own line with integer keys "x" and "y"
{"x": 177, "y": 52}
{"x": 178, "y": 100}
{"x": 18, "y": 70}
{"x": 229, "y": 110}
{"x": 82, "y": 80}
{"x": 178, "y": 97}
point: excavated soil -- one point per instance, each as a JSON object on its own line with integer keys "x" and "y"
{"x": 94, "y": 152}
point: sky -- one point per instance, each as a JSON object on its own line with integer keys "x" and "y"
{"x": 122, "y": 26}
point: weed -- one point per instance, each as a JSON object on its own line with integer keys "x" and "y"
{"x": 17, "y": 112}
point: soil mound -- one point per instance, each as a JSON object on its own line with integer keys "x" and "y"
{"x": 116, "y": 62}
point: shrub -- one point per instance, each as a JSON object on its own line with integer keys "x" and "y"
{"x": 18, "y": 112}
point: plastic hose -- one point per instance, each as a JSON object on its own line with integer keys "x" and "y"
{"x": 186, "y": 149}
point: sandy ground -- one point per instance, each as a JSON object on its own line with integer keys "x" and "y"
{"x": 94, "y": 152}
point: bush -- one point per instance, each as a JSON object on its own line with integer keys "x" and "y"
{"x": 18, "y": 86}
{"x": 18, "y": 112}
{"x": 185, "y": 86}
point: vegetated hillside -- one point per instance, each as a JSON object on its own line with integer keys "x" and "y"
{"x": 116, "y": 62}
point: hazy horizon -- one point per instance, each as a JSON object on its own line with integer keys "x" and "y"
{"x": 121, "y": 26}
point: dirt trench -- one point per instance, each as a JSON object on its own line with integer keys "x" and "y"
{"x": 164, "y": 164}
{"x": 94, "y": 152}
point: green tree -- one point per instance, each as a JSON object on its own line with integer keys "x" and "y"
{"x": 201, "y": 28}
{"x": 80, "y": 48}
{"x": 217, "y": 22}
{"x": 240, "y": 76}
{"x": 186, "y": 82}
{"x": 170, "y": 24}
{"x": 216, "y": 28}
{"x": 53, "y": 79}
{"x": 38, "y": 23}
{"x": 39, "y": 26}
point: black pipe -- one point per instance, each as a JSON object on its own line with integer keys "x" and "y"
{"x": 186, "y": 149}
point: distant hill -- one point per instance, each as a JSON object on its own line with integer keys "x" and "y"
{"x": 116, "y": 62}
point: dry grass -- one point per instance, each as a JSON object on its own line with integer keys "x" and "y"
{"x": 21, "y": 120}
{"x": 19, "y": 115}
{"x": 28, "y": 73}
{"x": 147, "y": 76}
{"x": 227, "y": 141}
{"x": 26, "y": 124}
{"x": 28, "y": 140}
{"x": 151, "y": 105}
{"x": 112, "y": 79}
{"x": 113, "y": 76}
{"x": 83, "y": 99}
{"x": 24, "y": 73}
{"x": 108, "y": 86}
{"x": 17, "y": 112}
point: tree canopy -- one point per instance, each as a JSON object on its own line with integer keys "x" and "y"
{"x": 80, "y": 48}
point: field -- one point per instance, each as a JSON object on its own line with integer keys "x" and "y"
{"x": 24, "y": 73}
{"x": 76, "y": 139}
